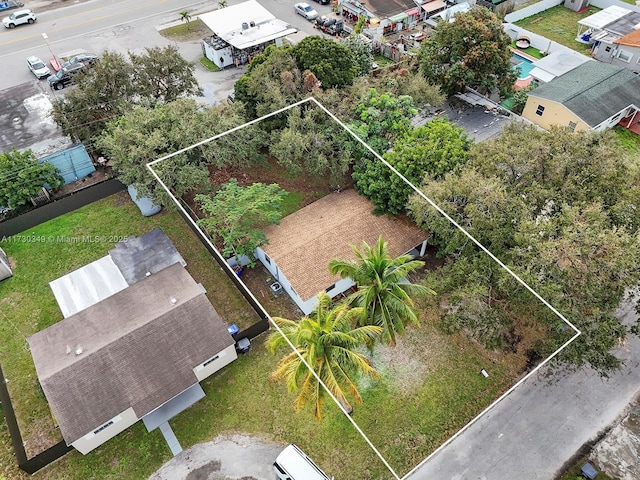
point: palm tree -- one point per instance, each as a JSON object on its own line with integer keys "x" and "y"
{"x": 222, "y": 3}
{"x": 327, "y": 339}
{"x": 185, "y": 17}
{"x": 383, "y": 291}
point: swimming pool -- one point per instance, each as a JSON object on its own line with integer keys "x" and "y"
{"x": 522, "y": 65}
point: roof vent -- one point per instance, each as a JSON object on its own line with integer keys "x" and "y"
{"x": 245, "y": 25}
{"x": 253, "y": 24}
{"x": 68, "y": 349}
{"x": 79, "y": 350}
{"x": 173, "y": 300}
{"x": 148, "y": 274}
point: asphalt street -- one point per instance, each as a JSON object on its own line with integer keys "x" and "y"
{"x": 534, "y": 431}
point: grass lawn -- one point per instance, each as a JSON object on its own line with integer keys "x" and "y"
{"x": 534, "y": 52}
{"x": 187, "y": 32}
{"x": 559, "y": 24}
{"x": 574, "y": 472}
{"x": 629, "y": 140}
{"x": 430, "y": 384}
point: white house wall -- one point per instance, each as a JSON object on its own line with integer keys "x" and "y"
{"x": 613, "y": 120}
{"x": 93, "y": 440}
{"x": 212, "y": 365}
{"x": 613, "y": 55}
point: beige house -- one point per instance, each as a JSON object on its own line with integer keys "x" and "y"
{"x": 594, "y": 96}
{"x": 136, "y": 354}
{"x": 301, "y": 246}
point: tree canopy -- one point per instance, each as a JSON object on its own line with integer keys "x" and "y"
{"x": 236, "y": 216}
{"x": 22, "y": 177}
{"x": 561, "y": 208}
{"x": 472, "y": 51}
{"x": 116, "y": 83}
{"x": 331, "y": 62}
{"x": 144, "y": 134}
{"x": 433, "y": 149}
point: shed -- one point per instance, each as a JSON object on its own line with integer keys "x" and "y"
{"x": 73, "y": 163}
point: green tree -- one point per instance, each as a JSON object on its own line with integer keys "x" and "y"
{"x": 22, "y": 177}
{"x": 237, "y": 215}
{"x": 380, "y": 118}
{"x": 272, "y": 81}
{"x": 331, "y": 62}
{"x": 329, "y": 343}
{"x": 185, "y": 16}
{"x": 472, "y": 51}
{"x": 116, "y": 83}
{"x": 145, "y": 134}
{"x": 433, "y": 149}
{"x": 561, "y": 209}
{"x": 312, "y": 142}
{"x": 362, "y": 53}
{"x": 103, "y": 94}
{"x": 383, "y": 291}
{"x": 161, "y": 75}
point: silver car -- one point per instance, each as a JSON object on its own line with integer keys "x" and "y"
{"x": 306, "y": 11}
{"x": 37, "y": 67}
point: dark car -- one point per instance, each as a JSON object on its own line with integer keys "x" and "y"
{"x": 65, "y": 76}
{"x": 322, "y": 2}
{"x": 83, "y": 58}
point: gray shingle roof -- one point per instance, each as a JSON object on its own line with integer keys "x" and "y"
{"x": 138, "y": 350}
{"x": 594, "y": 91}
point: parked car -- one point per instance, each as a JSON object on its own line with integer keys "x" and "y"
{"x": 306, "y": 11}
{"x": 65, "y": 76}
{"x": 83, "y": 58}
{"x": 323, "y": 2}
{"x": 294, "y": 464}
{"x": 18, "y": 18}
{"x": 38, "y": 68}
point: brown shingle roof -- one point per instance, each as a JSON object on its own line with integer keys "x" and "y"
{"x": 138, "y": 350}
{"x": 305, "y": 241}
{"x": 632, "y": 39}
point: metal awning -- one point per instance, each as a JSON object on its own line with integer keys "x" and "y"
{"x": 173, "y": 407}
{"x": 88, "y": 285}
{"x": 413, "y": 11}
{"x": 398, "y": 18}
{"x": 434, "y": 6}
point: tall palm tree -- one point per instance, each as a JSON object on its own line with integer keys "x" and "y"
{"x": 383, "y": 290}
{"x": 327, "y": 339}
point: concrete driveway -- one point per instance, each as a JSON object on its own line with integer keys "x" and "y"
{"x": 237, "y": 456}
{"x": 533, "y": 432}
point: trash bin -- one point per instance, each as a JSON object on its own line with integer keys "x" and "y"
{"x": 243, "y": 345}
{"x": 233, "y": 329}
{"x": 588, "y": 471}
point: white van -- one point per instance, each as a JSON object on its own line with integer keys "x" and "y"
{"x": 293, "y": 464}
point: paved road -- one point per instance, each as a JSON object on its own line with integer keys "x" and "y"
{"x": 541, "y": 425}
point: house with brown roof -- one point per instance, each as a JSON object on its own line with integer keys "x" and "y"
{"x": 301, "y": 246}
{"x": 136, "y": 354}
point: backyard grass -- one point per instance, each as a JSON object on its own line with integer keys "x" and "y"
{"x": 629, "y": 140}
{"x": 187, "y": 32}
{"x": 534, "y": 52}
{"x": 560, "y": 25}
{"x": 430, "y": 387}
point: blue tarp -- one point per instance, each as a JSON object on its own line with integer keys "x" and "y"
{"x": 73, "y": 163}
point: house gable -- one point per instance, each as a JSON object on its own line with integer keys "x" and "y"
{"x": 305, "y": 241}
{"x": 136, "y": 349}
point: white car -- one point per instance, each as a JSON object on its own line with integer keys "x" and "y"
{"x": 306, "y": 11}
{"x": 18, "y": 18}
{"x": 37, "y": 67}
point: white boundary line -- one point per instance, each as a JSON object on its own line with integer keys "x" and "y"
{"x": 439, "y": 210}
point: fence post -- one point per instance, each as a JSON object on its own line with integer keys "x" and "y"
{"x": 12, "y": 423}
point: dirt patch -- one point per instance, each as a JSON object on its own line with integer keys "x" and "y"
{"x": 310, "y": 187}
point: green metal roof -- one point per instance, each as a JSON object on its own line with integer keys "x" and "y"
{"x": 594, "y": 91}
